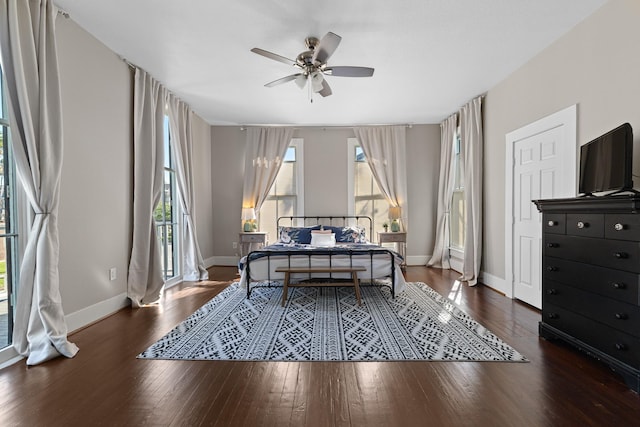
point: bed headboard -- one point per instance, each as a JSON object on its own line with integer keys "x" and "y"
{"x": 337, "y": 221}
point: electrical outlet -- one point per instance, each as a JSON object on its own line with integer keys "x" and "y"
{"x": 112, "y": 273}
{"x": 234, "y": 245}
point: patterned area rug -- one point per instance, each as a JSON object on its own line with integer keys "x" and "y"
{"x": 328, "y": 324}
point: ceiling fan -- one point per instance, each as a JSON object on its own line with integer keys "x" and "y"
{"x": 312, "y": 65}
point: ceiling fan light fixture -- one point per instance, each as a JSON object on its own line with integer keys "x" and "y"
{"x": 301, "y": 80}
{"x": 316, "y": 81}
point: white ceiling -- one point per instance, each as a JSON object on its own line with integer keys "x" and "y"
{"x": 430, "y": 56}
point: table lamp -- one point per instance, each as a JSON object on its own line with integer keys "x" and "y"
{"x": 394, "y": 215}
{"x": 248, "y": 216}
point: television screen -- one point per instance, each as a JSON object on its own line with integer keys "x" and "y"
{"x": 606, "y": 162}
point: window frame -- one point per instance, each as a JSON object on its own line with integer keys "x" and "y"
{"x": 352, "y": 143}
{"x": 298, "y": 144}
{"x": 456, "y": 253}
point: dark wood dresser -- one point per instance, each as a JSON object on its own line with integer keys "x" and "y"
{"x": 591, "y": 278}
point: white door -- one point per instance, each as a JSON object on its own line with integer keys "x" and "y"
{"x": 541, "y": 165}
{"x": 535, "y": 172}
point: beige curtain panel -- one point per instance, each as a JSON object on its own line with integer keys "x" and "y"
{"x": 265, "y": 150}
{"x": 440, "y": 255}
{"x": 385, "y": 150}
{"x": 472, "y": 153}
{"x": 30, "y": 65}
{"x": 145, "y": 281}
{"x": 181, "y": 142}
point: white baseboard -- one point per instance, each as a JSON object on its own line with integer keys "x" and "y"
{"x": 209, "y": 262}
{"x": 95, "y": 312}
{"x": 418, "y": 259}
{"x": 9, "y": 356}
{"x": 496, "y": 283}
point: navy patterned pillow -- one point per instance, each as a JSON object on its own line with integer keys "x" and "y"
{"x": 300, "y": 235}
{"x": 348, "y": 234}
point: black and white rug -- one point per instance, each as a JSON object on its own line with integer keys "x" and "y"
{"x": 328, "y": 324}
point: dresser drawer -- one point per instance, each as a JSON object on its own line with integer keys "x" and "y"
{"x": 613, "y": 342}
{"x": 617, "y": 254}
{"x": 554, "y": 223}
{"x": 619, "y": 285}
{"x": 622, "y": 226}
{"x": 621, "y": 316}
{"x": 586, "y": 225}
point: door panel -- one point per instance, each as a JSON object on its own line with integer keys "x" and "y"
{"x": 536, "y": 164}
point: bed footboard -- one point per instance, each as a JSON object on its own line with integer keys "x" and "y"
{"x": 308, "y": 259}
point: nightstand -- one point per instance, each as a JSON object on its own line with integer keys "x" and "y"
{"x": 400, "y": 240}
{"x": 248, "y": 241}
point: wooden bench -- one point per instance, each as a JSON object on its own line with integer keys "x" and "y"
{"x": 289, "y": 270}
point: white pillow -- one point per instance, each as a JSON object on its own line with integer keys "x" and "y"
{"x": 324, "y": 240}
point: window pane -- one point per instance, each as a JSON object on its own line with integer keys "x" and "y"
{"x": 2, "y": 109}
{"x": 171, "y": 253}
{"x": 167, "y": 143}
{"x": 457, "y": 220}
{"x": 290, "y": 155}
{"x": 285, "y": 182}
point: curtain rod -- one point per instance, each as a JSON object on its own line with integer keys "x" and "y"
{"x": 324, "y": 127}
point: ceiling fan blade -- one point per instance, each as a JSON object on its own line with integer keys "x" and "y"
{"x": 283, "y": 80}
{"x": 326, "y": 89}
{"x": 326, "y": 47}
{"x": 273, "y": 56}
{"x": 349, "y": 71}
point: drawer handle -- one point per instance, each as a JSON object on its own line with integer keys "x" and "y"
{"x": 619, "y": 227}
{"x": 552, "y": 268}
{"x": 552, "y": 292}
{"x": 621, "y": 255}
{"x": 619, "y": 285}
{"x": 620, "y": 346}
{"x": 552, "y": 245}
{"x": 622, "y": 316}
{"x": 582, "y": 225}
{"x": 553, "y": 316}
{"x": 552, "y": 223}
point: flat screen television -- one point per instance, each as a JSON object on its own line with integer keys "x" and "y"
{"x": 606, "y": 162}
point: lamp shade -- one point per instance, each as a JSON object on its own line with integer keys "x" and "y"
{"x": 395, "y": 212}
{"x": 248, "y": 214}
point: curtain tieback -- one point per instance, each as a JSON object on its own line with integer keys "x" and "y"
{"x": 42, "y": 213}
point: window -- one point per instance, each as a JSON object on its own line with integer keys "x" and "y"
{"x": 457, "y": 214}
{"x": 286, "y": 195}
{"x": 365, "y": 197}
{"x": 166, "y": 215}
{"x": 8, "y": 227}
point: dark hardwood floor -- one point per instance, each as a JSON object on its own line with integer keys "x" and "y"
{"x": 106, "y": 385}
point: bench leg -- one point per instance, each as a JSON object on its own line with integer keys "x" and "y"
{"x": 356, "y": 285}
{"x": 285, "y": 287}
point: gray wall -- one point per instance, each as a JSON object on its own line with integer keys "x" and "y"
{"x": 325, "y": 180}
{"x": 95, "y": 194}
{"x": 596, "y": 66}
{"x": 96, "y": 187}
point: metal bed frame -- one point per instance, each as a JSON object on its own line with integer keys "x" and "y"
{"x": 343, "y": 221}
